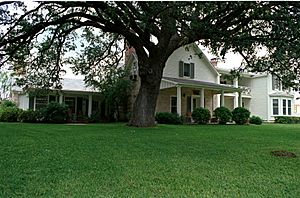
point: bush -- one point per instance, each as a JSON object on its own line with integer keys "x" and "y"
{"x": 29, "y": 116}
{"x": 255, "y": 120}
{"x": 7, "y": 103}
{"x": 240, "y": 115}
{"x": 95, "y": 117}
{"x": 168, "y": 118}
{"x": 54, "y": 113}
{"x": 9, "y": 114}
{"x": 287, "y": 120}
{"x": 201, "y": 115}
{"x": 223, "y": 115}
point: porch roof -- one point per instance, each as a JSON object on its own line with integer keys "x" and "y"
{"x": 202, "y": 84}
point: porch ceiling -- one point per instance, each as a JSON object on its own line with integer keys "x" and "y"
{"x": 202, "y": 84}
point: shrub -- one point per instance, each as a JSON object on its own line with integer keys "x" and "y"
{"x": 7, "y": 103}
{"x": 255, "y": 120}
{"x": 95, "y": 117}
{"x": 287, "y": 120}
{"x": 28, "y": 116}
{"x": 201, "y": 115}
{"x": 54, "y": 113}
{"x": 240, "y": 115}
{"x": 9, "y": 114}
{"x": 168, "y": 118}
{"x": 223, "y": 115}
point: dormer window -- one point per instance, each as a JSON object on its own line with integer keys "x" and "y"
{"x": 186, "y": 69}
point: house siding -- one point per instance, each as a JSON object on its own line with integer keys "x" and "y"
{"x": 202, "y": 72}
{"x": 259, "y": 101}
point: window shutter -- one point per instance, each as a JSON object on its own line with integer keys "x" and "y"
{"x": 192, "y": 70}
{"x": 180, "y": 68}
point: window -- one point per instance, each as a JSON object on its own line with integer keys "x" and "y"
{"x": 275, "y": 83}
{"x": 31, "y": 102}
{"x": 284, "y": 107}
{"x": 187, "y": 70}
{"x": 275, "y": 106}
{"x": 41, "y": 102}
{"x": 173, "y": 104}
{"x": 289, "y": 107}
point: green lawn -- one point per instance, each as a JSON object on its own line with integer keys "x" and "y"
{"x": 113, "y": 160}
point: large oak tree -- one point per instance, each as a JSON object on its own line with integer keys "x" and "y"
{"x": 38, "y": 41}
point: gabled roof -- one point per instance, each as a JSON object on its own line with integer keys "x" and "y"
{"x": 199, "y": 51}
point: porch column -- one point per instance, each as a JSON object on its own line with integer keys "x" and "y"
{"x": 60, "y": 99}
{"x": 179, "y": 100}
{"x": 222, "y": 99}
{"x": 240, "y": 99}
{"x": 236, "y": 94}
{"x": 202, "y": 98}
{"x": 90, "y": 105}
{"x": 236, "y": 100}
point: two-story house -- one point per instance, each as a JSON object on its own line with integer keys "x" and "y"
{"x": 190, "y": 80}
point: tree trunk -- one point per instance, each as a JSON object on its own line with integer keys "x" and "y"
{"x": 143, "y": 113}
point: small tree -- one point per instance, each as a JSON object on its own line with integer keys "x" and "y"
{"x": 240, "y": 115}
{"x": 223, "y": 115}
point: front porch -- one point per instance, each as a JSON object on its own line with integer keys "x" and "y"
{"x": 191, "y": 94}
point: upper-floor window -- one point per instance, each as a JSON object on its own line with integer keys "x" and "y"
{"x": 275, "y": 83}
{"x": 186, "y": 69}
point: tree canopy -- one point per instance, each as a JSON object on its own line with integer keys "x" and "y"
{"x": 89, "y": 36}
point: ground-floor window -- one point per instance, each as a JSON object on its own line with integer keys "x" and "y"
{"x": 289, "y": 107}
{"x": 275, "y": 106}
{"x": 173, "y": 104}
{"x": 41, "y": 102}
{"x": 284, "y": 106}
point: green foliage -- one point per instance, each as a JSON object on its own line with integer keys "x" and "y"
{"x": 95, "y": 117}
{"x": 223, "y": 115}
{"x": 201, "y": 115}
{"x": 9, "y": 114}
{"x": 240, "y": 115}
{"x": 7, "y": 103}
{"x": 5, "y": 84}
{"x": 287, "y": 120}
{"x": 168, "y": 118}
{"x": 55, "y": 113}
{"x": 29, "y": 116}
{"x": 255, "y": 120}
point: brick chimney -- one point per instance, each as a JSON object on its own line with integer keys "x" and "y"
{"x": 214, "y": 62}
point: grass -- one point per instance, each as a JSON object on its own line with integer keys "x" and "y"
{"x": 113, "y": 160}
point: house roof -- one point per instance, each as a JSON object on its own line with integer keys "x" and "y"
{"x": 69, "y": 84}
{"x": 199, "y": 51}
{"x": 202, "y": 84}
